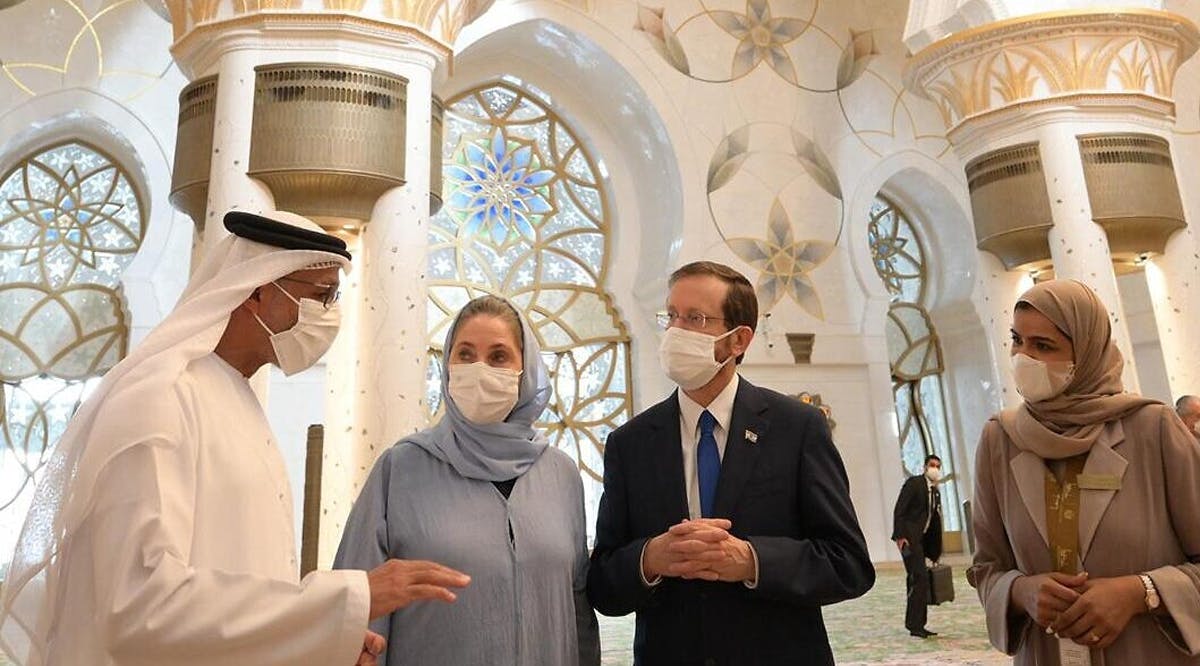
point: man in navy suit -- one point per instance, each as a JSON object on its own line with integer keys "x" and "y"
{"x": 726, "y": 520}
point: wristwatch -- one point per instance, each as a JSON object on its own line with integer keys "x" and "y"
{"x": 1152, "y": 600}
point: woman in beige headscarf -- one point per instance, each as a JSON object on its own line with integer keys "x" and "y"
{"x": 1087, "y": 502}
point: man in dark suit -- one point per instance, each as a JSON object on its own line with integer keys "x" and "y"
{"x": 726, "y": 520}
{"x": 917, "y": 531}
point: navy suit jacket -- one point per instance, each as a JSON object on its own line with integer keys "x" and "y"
{"x": 912, "y": 510}
{"x": 786, "y": 493}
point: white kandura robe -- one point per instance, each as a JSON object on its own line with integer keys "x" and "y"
{"x": 188, "y": 556}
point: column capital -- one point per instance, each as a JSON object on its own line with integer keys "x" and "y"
{"x": 298, "y": 34}
{"x": 440, "y": 20}
{"x": 1080, "y": 59}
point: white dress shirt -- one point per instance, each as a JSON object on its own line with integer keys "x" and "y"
{"x": 929, "y": 503}
{"x": 689, "y": 430}
{"x": 689, "y": 437}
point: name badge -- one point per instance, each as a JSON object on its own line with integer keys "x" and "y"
{"x": 1073, "y": 654}
{"x": 1099, "y": 482}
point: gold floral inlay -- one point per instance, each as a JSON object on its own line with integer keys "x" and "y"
{"x": 1053, "y": 55}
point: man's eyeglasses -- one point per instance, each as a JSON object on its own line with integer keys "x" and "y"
{"x": 327, "y": 297}
{"x": 693, "y": 320}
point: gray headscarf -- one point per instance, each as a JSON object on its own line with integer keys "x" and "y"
{"x": 493, "y": 451}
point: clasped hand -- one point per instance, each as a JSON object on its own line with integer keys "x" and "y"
{"x": 701, "y": 549}
{"x": 1091, "y": 612}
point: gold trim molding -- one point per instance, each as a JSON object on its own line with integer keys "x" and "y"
{"x": 198, "y": 50}
{"x": 440, "y": 20}
{"x": 1046, "y": 56}
{"x": 1092, "y": 104}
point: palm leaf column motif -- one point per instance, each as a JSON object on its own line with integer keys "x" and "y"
{"x": 526, "y": 217}
{"x": 70, "y": 223}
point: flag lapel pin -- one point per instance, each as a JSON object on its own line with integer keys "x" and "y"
{"x": 751, "y": 437}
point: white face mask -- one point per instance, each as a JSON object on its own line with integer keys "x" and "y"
{"x": 934, "y": 474}
{"x": 482, "y": 393}
{"x": 688, "y": 357}
{"x": 1041, "y": 380}
{"x": 299, "y": 347}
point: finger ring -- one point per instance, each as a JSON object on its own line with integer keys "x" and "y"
{"x": 1094, "y": 637}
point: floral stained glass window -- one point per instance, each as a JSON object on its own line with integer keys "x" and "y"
{"x": 913, "y": 349}
{"x": 526, "y": 217}
{"x": 70, "y": 222}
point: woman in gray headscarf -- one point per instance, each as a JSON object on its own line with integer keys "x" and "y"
{"x": 1086, "y": 501}
{"x": 482, "y": 491}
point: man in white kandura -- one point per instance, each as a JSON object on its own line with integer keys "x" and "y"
{"x": 162, "y": 531}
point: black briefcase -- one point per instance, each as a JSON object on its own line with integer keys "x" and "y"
{"x": 941, "y": 584}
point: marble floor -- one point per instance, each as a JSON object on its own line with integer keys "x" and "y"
{"x": 869, "y": 631}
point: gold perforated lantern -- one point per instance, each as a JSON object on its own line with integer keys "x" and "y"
{"x": 328, "y": 140}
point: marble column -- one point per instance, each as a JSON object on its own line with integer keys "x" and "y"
{"x": 229, "y": 188}
{"x": 996, "y": 292}
{"x": 1079, "y": 246}
{"x": 387, "y": 386}
{"x": 340, "y": 460}
{"x": 999, "y": 85}
{"x": 391, "y": 391}
{"x": 375, "y": 373}
{"x": 1173, "y": 279}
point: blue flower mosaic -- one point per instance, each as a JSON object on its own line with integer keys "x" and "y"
{"x": 500, "y": 189}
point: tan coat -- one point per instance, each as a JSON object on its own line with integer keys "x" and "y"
{"x": 1151, "y": 525}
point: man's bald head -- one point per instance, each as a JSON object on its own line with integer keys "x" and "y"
{"x": 1188, "y": 408}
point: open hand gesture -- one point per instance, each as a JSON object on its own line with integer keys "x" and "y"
{"x": 398, "y": 583}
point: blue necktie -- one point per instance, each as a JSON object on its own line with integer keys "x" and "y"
{"x": 708, "y": 463}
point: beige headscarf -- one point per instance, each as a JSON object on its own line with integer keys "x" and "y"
{"x": 1068, "y": 424}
